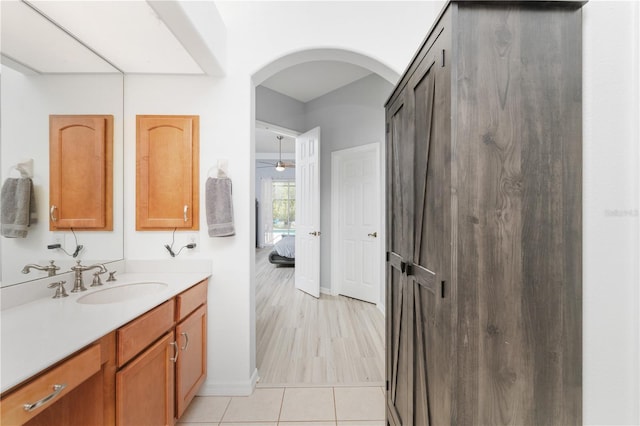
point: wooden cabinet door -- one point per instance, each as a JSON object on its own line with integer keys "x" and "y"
{"x": 399, "y": 224}
{"x": 80, "y": 172}
{"x": 167, "y": 172}
{"x": 145, "y": 386}
{"x": 191, "y": 366}
{"x": 430, "y": 304}
{"x": 418, "y": 244}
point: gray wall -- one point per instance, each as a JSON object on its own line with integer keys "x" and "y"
{"x": 350, "y": 116}
{"x": 276, "y": 108}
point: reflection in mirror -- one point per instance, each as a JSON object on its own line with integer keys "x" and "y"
{"x": 40, "y": 78}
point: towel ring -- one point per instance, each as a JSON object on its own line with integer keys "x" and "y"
{"x": 221, "y": 169}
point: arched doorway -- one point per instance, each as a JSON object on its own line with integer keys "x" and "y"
{"x": 380, "y": 70}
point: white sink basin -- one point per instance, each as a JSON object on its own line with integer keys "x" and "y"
{"x": 121, "y": 293}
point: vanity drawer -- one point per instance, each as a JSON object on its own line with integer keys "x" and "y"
{"x": 189, "y": 300}
{"x": 143, "y": 331}
{"x": 71, "y": 373}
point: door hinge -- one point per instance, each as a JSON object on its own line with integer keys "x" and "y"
{"x": 442, "y": 289}
{"x": 387, "y": 385}
{"x": 388, "y": 257}
{"x": 386, "y": 127}
{"x": 442, "y": 63}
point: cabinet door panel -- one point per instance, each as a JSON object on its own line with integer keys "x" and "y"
{"x": 144, "y": 388}
{"x": 80, "y": 185}
{"x": 167, "y": 172}
{"x": 191, "y": 367}
{"x": 399, "y": 149}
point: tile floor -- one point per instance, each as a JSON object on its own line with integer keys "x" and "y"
{"x": 292, "y": 406}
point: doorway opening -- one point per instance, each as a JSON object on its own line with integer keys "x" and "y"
{"x": 327, "y": 339}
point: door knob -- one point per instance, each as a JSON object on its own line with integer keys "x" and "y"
{"x": 373, "y": 234}
{"x": 315, "y": 233}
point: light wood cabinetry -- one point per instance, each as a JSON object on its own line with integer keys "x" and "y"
{"x": 191, "y": 366}
{"x": 144, "y": 387}
{"x": 167, "y": 172}
{"x": 484, "y": 220}
{"x": 77, "y": 391}
{"x": 80, "y": 172}
{"x": 144, "y": 373}
{"x": 173, "y": 367}
{"x": 143, "y": 331}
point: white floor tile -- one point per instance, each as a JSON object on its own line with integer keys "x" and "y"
{"x": 361, "y": 403}
{"x": 362, "y": 423}
{"x": 262, "y": 406}
{"x": 205, "y": 409}
{"x": 307, "y": 424}
{"x": 250, "y": 424}
{"x": 308, "y": 404}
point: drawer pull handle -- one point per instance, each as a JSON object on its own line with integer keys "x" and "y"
{"x": 176, "y": 352}
{"x": 52, "y": 213}
{"x": 186, "y": 341}
{"x": 56, "y": 390}
{"x": 184, "y": 213}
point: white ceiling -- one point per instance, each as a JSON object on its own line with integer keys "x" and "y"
{"x": 41, "y": 36}
{"x": 311, "y": 80}
{"x": 105, "y": 27}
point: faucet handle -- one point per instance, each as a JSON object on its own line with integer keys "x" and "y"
{"x": 112, "y": 276}
{"x": 60, "y": 291}
{"x": 96, "y": 279}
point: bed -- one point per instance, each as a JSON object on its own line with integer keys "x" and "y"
{"x": 284, "y": 253}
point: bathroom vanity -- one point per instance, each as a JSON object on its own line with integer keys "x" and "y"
{"x": 128, "y": 353}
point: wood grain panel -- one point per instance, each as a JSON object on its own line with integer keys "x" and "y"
{"x": 71, "y": 373}
{"x": 191, "y": 366}
{"x": 145, "y": 387}
{"x": 167, "y": 172}
{"x": 144, "y": 330}
{"x": 189, "y": 300}
{"x": 81, "y": 172}
{"x": 514, "y": 99}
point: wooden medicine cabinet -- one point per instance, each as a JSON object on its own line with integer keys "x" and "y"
{"x": 81, "y": 172}
{"x": 167, "y": 172}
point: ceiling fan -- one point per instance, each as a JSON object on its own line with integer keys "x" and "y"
{"x": 279, "y": 165}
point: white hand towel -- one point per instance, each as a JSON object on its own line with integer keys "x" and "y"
{"x": 219, "y": 205}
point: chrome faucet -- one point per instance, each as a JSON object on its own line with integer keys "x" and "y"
{"x": 50, "y": 268}
{"x": 78, "y": 269}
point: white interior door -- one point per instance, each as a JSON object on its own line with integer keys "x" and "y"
{"x": 357, "y": 193}
{"x": 307, "y": 274}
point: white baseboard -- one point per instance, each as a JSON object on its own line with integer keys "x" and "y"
{"x": 240, "y": 388}
{"x": 325, "y": 290}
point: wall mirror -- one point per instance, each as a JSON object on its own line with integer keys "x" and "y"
{"x": 47, "y": 71}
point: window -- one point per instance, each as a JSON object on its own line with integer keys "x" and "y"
{"x": 284, "y": 208}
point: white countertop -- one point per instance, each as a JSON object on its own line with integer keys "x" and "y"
{"x": 42, "y": 332}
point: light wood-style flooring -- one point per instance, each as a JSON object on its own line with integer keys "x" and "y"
{"x": 301, "y": 340}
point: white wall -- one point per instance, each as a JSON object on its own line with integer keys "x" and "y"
{"x": 610, "y": 206}
{"x": 27, "y": 102}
